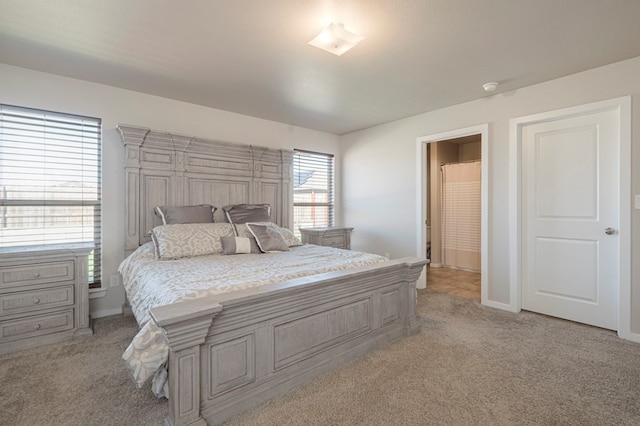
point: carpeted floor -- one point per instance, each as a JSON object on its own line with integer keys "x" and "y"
{"x": 470, "y": 365}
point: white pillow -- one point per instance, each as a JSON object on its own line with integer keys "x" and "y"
{"x": 189, "y": 239}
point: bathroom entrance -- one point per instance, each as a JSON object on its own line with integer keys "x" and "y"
{"x": 453, "y": 211}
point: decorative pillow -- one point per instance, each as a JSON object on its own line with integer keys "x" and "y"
{"x": 268, "y": 237}
{"x": 243, "y": 213}
{"x": 189, "y": 239}
{"x": 289, "y": 237}
{"x": 243, "y": 231}
{"x": 172, "y": 215}
{"x": 240, "y": 245}
{"x": 292, "y": 241}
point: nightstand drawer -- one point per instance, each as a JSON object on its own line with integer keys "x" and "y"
{"x": 332, "y": 236}
{"x": 28, "y": 301}
{"x": 36, "y": 325}
{"x": 337, "y": 241}
{"x": 37, "y": 273}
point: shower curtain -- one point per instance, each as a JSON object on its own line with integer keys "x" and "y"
{"x": 461, "y": 213}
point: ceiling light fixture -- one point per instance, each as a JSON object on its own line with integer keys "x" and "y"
{"x": 490, "y": 87}
{"x": 336, "y": 39}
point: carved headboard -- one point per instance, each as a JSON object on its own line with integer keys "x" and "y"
{"x": 173, "y": 170}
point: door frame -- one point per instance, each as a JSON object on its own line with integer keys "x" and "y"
{"x": 423, "y": 192}
{"x": 623, "y": 106}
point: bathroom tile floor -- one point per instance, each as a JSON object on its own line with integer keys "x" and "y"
{"x": 452, "y": 281}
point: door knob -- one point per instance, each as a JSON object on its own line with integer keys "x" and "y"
{"x": 609, "y": 231}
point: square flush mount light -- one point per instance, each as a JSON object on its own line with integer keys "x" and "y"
{"x": 335, "y": 39}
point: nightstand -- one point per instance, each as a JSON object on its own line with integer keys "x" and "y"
{"x": 333, "y": 236}
{"x": 44, "y": 295}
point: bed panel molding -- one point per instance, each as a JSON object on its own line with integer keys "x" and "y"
{"x": 390, "y": 306}
{"x": 232, "y": 364}
{"x": 309, "y": 335}
{"x": 169, "y": 169}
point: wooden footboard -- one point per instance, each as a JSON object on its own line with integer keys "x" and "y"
{"x": 232, "y": 352}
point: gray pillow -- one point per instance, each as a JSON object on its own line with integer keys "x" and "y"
{"x": 239, "y": 245}
{"x": 243, "y": 213}
{"x": 290, "y": 238}
{"x": 268, "y": 237}
{"x": 172, "y": 215}
{"x": 292, "y": 241}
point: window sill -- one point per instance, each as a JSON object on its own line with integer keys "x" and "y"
{"x": 96, "y": 293}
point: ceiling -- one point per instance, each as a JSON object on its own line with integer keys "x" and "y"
{"x": 252, "y": 56}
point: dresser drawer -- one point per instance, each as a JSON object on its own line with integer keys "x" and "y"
{"x": 28, "y": 301}
{"x": 37, "y": 273}
{"x": 36, "y": 325}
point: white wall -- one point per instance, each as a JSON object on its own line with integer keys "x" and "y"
{"x": 380, "y": 176}
{"x": 33, "y": 89}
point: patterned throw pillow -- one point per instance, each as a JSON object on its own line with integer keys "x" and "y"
{"x": 189, "y": 239}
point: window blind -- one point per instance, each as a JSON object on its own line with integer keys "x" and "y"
{"x": 50, "y": 180}
{"x": 313, "y": 192}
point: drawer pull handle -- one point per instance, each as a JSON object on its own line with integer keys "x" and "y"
{"x": 36, "y": 300}
{"x": 36, "y": 275}
{"x": 37, "y": 327}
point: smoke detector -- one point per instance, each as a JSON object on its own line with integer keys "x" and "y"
{"x": 491, "y": 86}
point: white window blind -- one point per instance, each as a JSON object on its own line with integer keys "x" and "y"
{"x": 313, "y": 199}
{"x": 50, "y": 189}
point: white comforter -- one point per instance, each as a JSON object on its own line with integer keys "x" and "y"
{"x": 150, "y": 283}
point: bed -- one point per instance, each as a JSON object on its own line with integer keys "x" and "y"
{"x": 235, "y": 346}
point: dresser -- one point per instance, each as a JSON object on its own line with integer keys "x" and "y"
{"x": 333, "y": 236}
{"x": 44, "y": 295}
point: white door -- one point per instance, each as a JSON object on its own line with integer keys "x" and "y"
{"x": 570, "y": 217}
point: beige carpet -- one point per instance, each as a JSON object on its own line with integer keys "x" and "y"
{"x": 470, "y": 365}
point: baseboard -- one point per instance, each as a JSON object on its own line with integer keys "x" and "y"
{"x": 126, "y": 310}
{"x": 633, "y": 337}
{"x": 499, "y": 305}
{"x": 106, "y": 313}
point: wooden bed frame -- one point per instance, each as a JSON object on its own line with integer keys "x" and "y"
{"x": 233, "y": 351}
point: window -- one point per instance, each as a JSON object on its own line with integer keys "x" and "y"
{"x": 312, "y": 190}
{"x": 50, "y": 189}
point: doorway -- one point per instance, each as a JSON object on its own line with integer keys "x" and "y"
{"x": 456, "y": 147}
